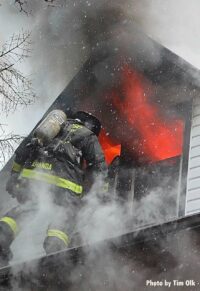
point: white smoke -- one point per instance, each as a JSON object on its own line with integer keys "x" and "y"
{"x": 173, "y": 24}
{"x": 33, "y": 222}
{"x": 62, "y": 41}
{"x": 60, "y": 48}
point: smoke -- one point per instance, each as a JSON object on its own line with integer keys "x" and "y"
{"x": 166, "y": 23}
{"x": 97, "y": 221}
{"x": 66, "y": 33}
{"x": 64, "y": 36}
{"x": 33, "y": 219}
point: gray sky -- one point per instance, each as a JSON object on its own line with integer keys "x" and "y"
{"x": 174, "y": 24}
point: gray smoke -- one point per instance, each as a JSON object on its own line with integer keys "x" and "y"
{"x": 97, "y": 223}
{"x": 68, "y": 32}
{"x": 64, "y": 35}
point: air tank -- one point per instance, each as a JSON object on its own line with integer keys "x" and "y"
{"x": 50, "y": 126}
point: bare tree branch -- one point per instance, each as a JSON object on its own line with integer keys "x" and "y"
{"x": 21, "y": 4}
{"x": 15, "y": 88}
{"x": 8, "y": 143}
{"x": 18, "y": 47}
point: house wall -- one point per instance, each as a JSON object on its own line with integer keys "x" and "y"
{"x": 192, "y": 205}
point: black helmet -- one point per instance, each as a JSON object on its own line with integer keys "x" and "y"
{"x": 90, "y": 121}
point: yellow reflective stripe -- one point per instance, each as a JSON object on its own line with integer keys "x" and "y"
{"x": 59, "y": 234}
{"x": 45, "y": 166}
{"x": 11, "y": 222}
{"x": 75, "y": 127}
{"x": 16, "y": 167}
{"x": 51, "y": 179}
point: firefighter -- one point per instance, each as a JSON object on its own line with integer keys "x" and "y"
{"x": 60, "y": 164}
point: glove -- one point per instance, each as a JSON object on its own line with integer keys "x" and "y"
{"x": 17, "y": 188}
{"x": 35, "y": 143}
{"x": 12, "y": 185}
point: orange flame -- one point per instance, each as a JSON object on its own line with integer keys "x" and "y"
{"x": 158, "y": 139}
{"x": 110, "y": 148}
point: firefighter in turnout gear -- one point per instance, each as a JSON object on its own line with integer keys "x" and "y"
{"x": 57, "y": 159}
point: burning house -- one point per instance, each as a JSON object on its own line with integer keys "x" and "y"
{"x": 147, "y": 99}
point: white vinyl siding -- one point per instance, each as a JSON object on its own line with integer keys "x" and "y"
{"x": 193, "y": 180}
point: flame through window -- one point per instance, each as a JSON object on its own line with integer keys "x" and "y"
{"x": 147, "y": 133}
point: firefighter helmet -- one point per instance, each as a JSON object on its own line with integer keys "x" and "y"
{"x": 89, "y": 120}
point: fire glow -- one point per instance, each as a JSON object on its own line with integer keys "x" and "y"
{"x": 110, "y": 149}
{"x": 156, "y": 137}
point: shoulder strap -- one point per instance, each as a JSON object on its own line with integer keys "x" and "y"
{"x": 66, "y": 136}
{"x": 70, "y": 128}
